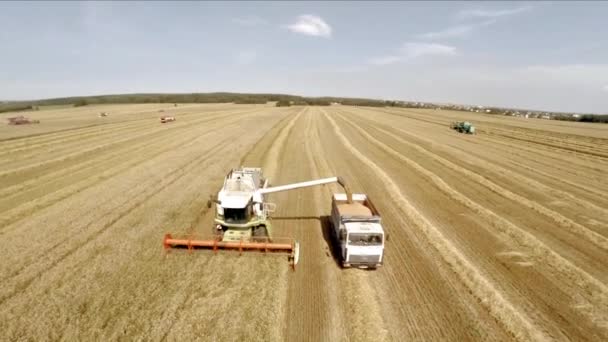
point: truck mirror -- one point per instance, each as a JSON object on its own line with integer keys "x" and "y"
{"x": 386, "y": 237}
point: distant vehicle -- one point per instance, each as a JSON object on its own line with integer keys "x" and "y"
{"x": 463, "y": 127}
{"x": 165, "y": 119}
{"x": 21, "y": 120}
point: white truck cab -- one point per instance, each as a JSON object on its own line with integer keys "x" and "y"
{"x": 358, "y": 231}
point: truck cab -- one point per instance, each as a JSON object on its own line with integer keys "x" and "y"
{"x": 358, "y": 231}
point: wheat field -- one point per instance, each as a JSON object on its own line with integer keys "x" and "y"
{"x": 502, "y": 235}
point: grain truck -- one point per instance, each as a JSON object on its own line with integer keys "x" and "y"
{"x": 357, "y": 231}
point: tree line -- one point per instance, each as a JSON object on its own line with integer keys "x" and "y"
{"x": 584, "y": 118}
{"x": 237, "y": 98}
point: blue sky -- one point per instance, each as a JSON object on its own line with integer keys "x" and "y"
{"x": 538, "y": 55}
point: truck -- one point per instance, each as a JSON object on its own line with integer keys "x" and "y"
{"x": 357, "y": 231}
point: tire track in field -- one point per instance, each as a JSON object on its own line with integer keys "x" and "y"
{"x": 270, "y": 164}
{"x": 269, "y": 138}
{"x": 332, "y": 326}
{"x": 526, "y": 153}
{"x": 272, "y": 157}
{"x": 305, "y": 295}
{"x": 130, "y": 205}
{"x": 588, "y": 189}
{"x": 530, "y": 157}
{"x": 547, "y": 137}
{"x": 601, "y": 156}
{"x": 564, "y": 154}
{"x": 514, "y": 321}
{"x": 577, "y": 229}
{"x": 596, "y": 291}
{"x": 368, "y": 322}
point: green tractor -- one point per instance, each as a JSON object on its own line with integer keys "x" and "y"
{"x": 463, "y": 127}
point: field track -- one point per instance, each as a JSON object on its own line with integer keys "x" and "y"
{"x": 498, "y": 236}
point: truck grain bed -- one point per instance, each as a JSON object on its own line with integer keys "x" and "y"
{"x": 354, "y": 209}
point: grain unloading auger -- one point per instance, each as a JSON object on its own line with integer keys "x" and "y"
{"x": 242, "y": 216}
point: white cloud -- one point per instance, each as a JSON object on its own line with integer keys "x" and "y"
{"x": 605, "y": 88}
{"x": 481, "y": 13}
{"x": 385, "y": 60}
{"x": 311, "y": 25}
{"x": 413, "y": 50}
{"x": 454, "y": 31}
{"x": 245, "y": 57}
{"x": 249, "y": 21}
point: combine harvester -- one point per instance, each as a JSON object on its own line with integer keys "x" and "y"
{"x": 463, "y": 127}
{"x": 165, "y": 119}
{"x": 21, "y": 120}
{"x": 242, "y": 216}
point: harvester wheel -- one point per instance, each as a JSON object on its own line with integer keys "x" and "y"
{"x": 217, "y": 230}
{"x": 260, "y": 231}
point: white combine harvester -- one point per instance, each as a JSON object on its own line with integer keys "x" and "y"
{"x": 242, "y": 216}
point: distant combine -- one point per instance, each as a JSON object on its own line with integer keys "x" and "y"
{"x": 463, "y": 127}
{"x": 165, "y": 119}
{"x": 21, "y": 120}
